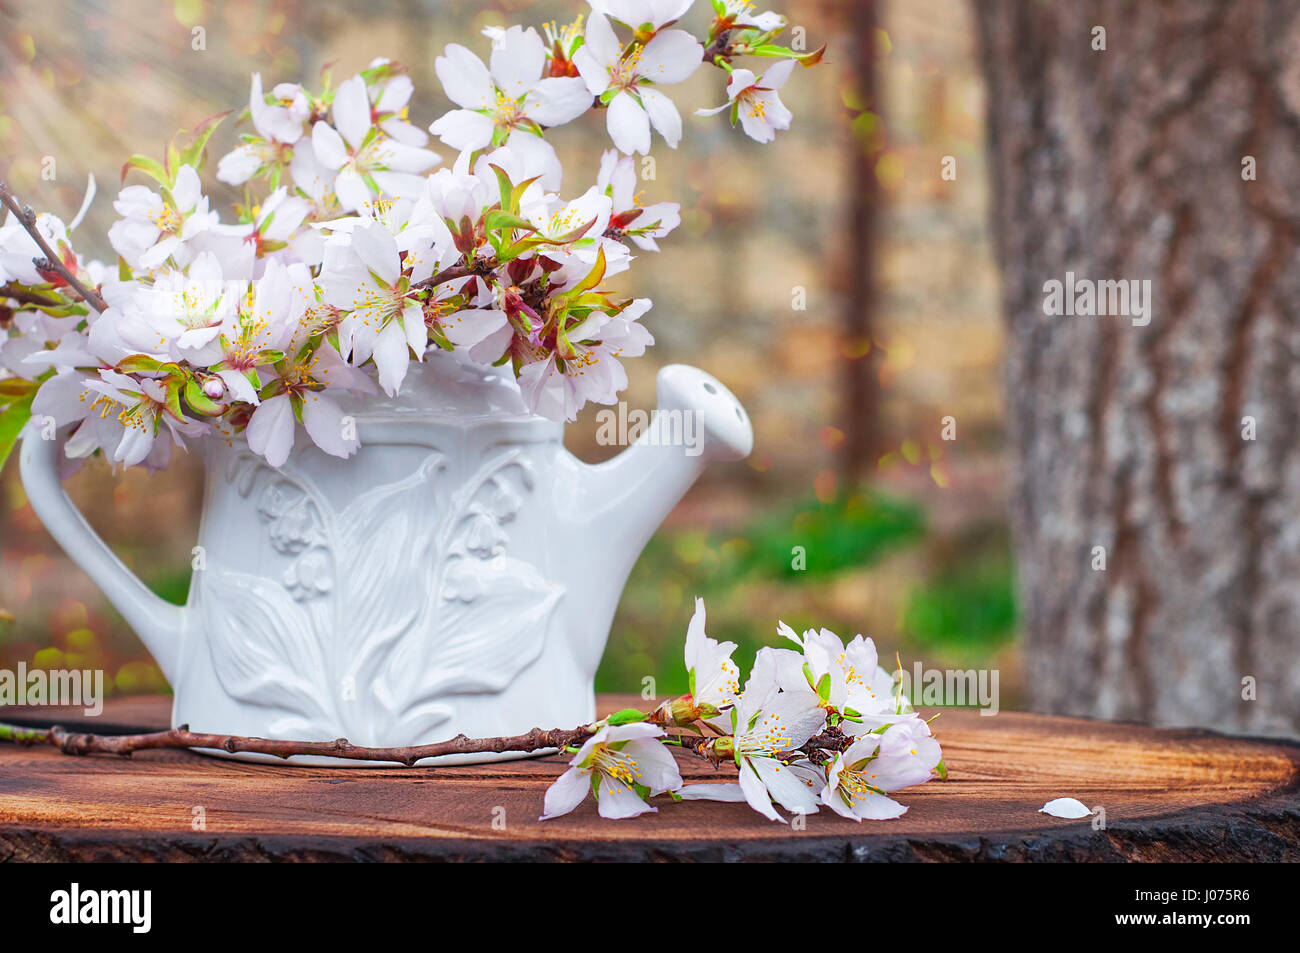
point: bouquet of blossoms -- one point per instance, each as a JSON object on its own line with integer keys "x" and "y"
{"x": 357, "y": 248}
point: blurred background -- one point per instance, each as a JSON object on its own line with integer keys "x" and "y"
{"x": 850, "y": 321}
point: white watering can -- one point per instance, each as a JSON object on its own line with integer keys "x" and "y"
{"x": 458, "y": 574}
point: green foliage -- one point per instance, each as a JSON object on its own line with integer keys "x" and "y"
{"x": 856, "y": 532}
{"x": 969, "y": 607}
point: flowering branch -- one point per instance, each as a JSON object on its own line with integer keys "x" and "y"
{"x": 86, "y": 743}
{"x": 51, "y": 262}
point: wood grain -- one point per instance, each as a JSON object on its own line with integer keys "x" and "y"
{"x": 1168, "y": 795}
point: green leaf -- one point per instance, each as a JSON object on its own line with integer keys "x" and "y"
{"x": 626, "y": 717}
{"x": 824, "y": 687}
{"x": 941, "y": 769}
{"x": 12, "y": 420}
{"x": 498, "y": 219}
{"x": 139, "y": 363}
{"x": 149, "y": 167}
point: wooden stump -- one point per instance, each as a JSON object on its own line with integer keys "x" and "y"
{"x": 1168, "y": 795}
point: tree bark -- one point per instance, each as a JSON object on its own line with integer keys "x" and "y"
{"x": 1128, "y": 163}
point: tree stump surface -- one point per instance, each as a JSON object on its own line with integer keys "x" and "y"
{"x": 1167, "y": 795}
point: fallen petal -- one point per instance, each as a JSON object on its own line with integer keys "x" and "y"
{"x": 1065, "y": 807}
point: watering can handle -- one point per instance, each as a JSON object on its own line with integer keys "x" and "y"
{"x": 158, "y": 622}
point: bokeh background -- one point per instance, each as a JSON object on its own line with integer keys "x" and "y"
{"x": 905, "y": 533}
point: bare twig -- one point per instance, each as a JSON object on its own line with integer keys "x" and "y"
{"x": 28, "y": 219}
{"x": 84, "y": 743}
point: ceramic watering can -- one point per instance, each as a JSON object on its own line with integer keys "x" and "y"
{"x": 458, "y": 574}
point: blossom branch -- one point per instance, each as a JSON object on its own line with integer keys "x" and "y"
{"x": 52, "y": 262}
{"x": 87, "y": 743}
{"x": 24, "y": 296}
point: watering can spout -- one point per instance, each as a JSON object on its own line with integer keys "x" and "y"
{"x": 615, "y": 506}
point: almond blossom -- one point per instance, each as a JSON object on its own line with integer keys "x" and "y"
{"x": 367, "y": 162}
{"x": 277, "y": 126}
{"x": 625, "y": 81}
{"x": 621, "y": 765}
{"x": 382, "y": 321}
{"x": 756, "y": 102}
{"x": 153, "y": 228}
{"x": 642, "y": 224}
{"x": 510, "y": 94}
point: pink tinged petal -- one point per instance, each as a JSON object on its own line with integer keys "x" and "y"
{"x": 324, "y": 423}
{"x": 328, "y": 146}
{"x": 557, "y": 100}
{"x": 517, "y": 60}
{"x": 628, "y": 125}
{"x": 672, "y": 56}
{"x": 270, "y": 430}
{"x": 352, "y": 111}
{"x": 663, "y": 115}
{"x": 464, "y": 78}
{"x": 540, "y": 384}
{"x": 756, "y": 793}
{"x": 464, "y": 130}
{"x": 617, "y": 802}
{"x": 377, "y": 249}
{"x": 392, "y": 357}
{"x": 565, "y": 793}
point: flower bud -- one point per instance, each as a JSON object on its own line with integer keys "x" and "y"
{"x": 214, "y": 387}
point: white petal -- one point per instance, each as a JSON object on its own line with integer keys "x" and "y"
{"x": 464, "y": 78}
{"x": 327, "y": 145}
{"x": 565, "y": 793}
{"x": 323, "y": 420}
{"x": 628, "y": 125}
{"x": 663, "y": 114}
{"x": 672, "y": 56}
{"x": 517, "y": 60}
{"x": 557, "y": 100}
{"x": 392, "y": 357}
{"x": 270, "y": 430}
{"x": 1065, "y": 807}
{"x": 352, "y": 111}
{"x": 464, "y": 130}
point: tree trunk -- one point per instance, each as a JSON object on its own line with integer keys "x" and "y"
{"x": 860, "y": 400}
{"x": 1131, "y": 163}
